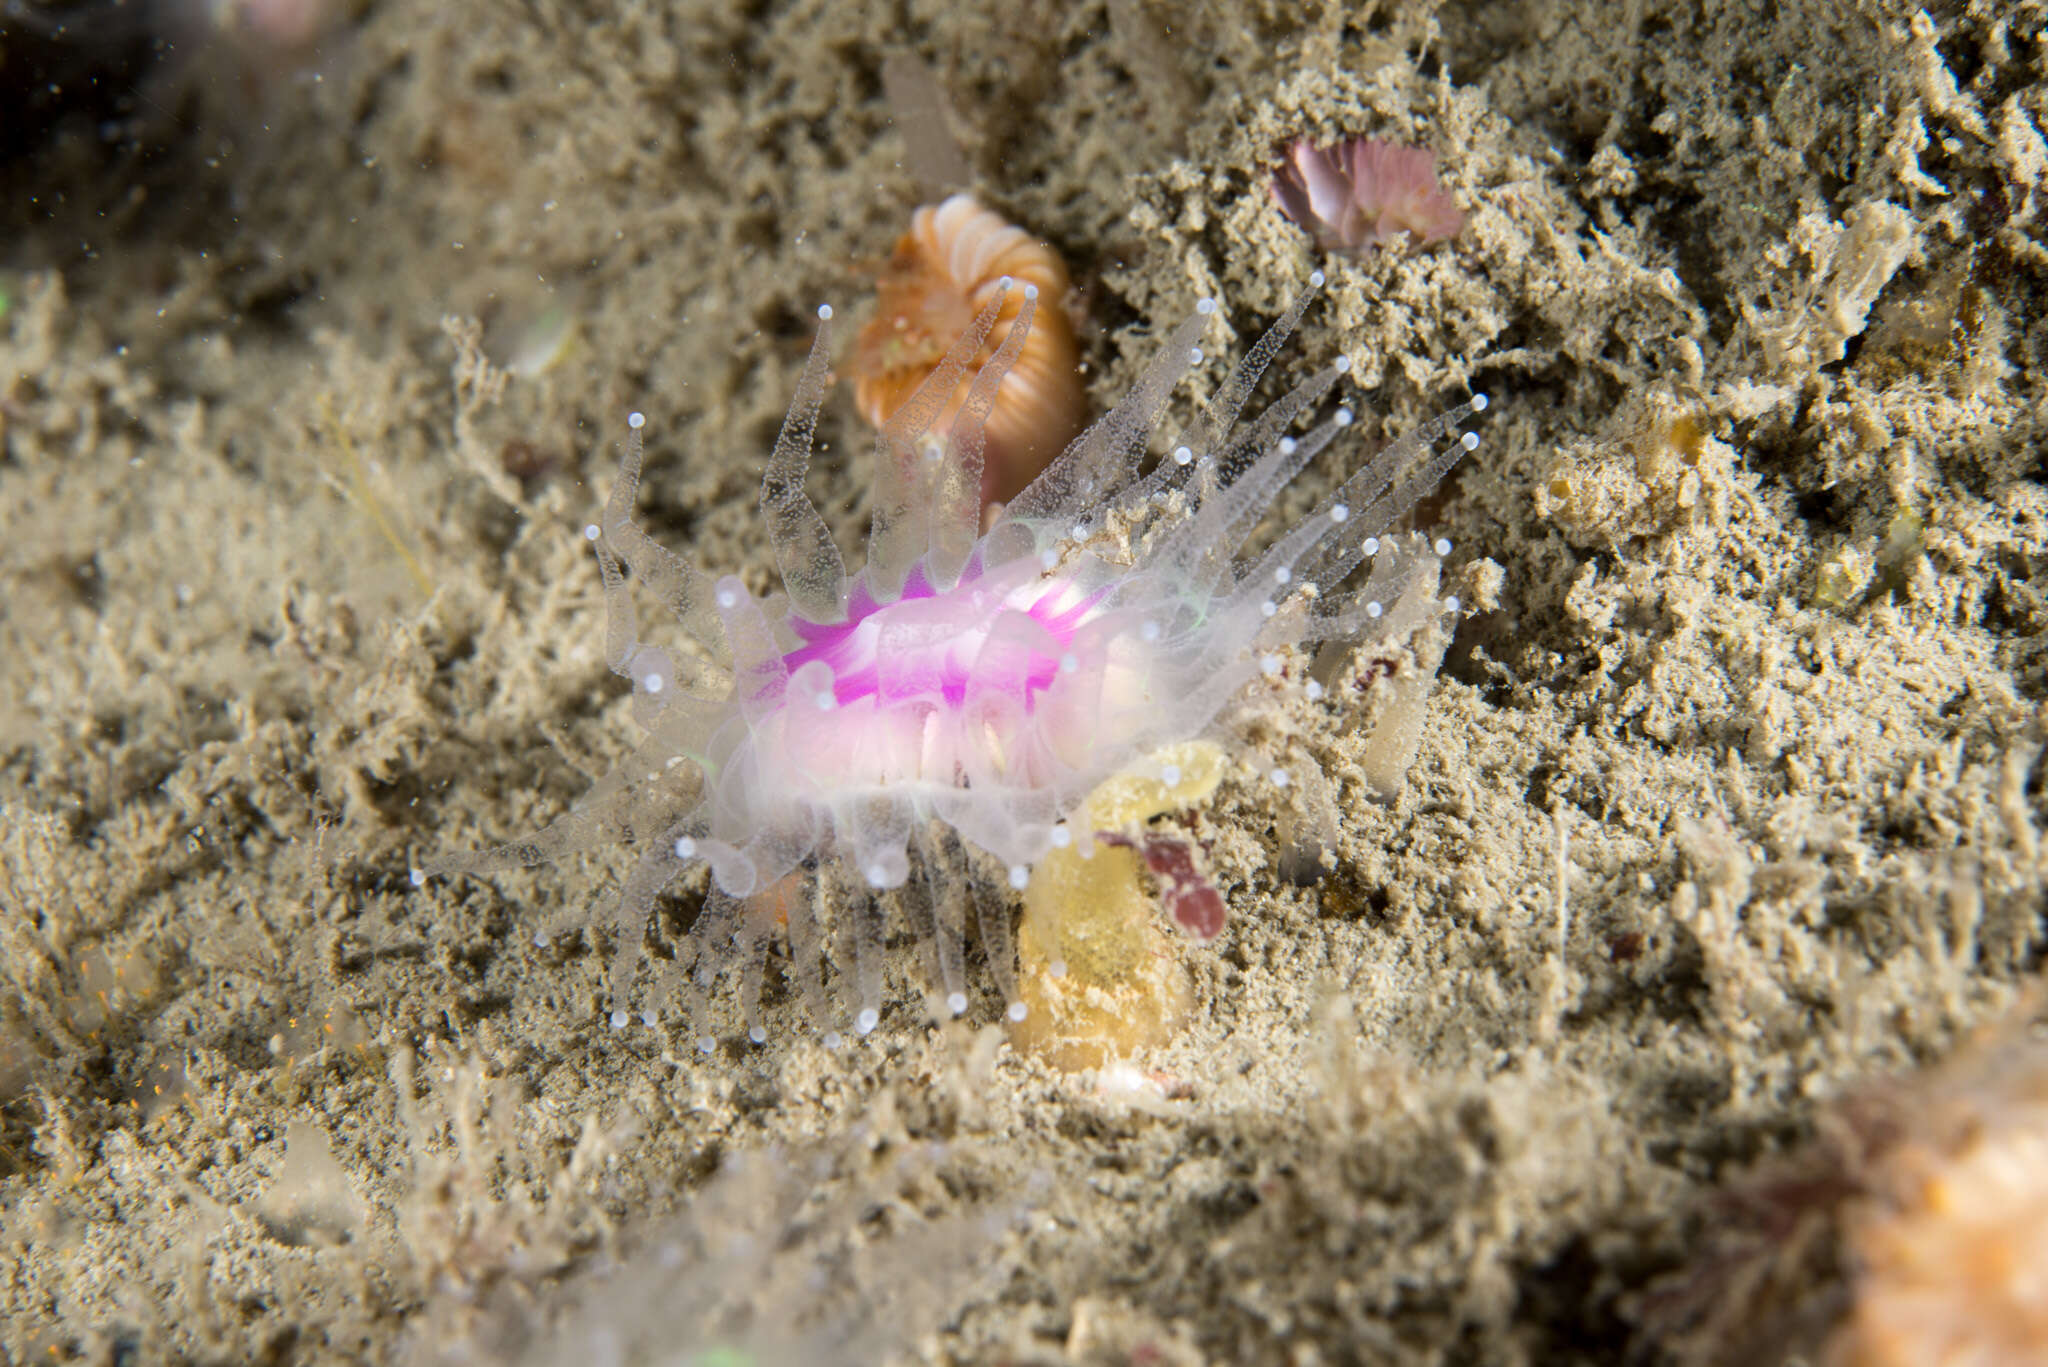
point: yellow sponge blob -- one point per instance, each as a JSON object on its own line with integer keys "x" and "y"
{"x": 1097, "y": 967}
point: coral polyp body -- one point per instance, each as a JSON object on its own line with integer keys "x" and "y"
{"x": 946, "y": 268}
{"x": 967, "y": 686}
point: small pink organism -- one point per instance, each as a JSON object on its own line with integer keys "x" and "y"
{"x": 1365, "y": 193}
{"x": 971, "y": 688}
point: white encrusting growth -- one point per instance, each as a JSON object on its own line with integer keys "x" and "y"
{"x": 968, "y": 688}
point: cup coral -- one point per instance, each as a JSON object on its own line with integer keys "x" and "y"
{"x": 1914, "y": 1230}
{"x": 966, "y": 686}
{"x": 1948, "y": 1252}
{"x": 1364, "y": 193}
{"x": 952, "y": 262}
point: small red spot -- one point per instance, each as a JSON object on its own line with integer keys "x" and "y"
{"x": 1374, "y": 671}
{"x": 1190, "y": 898}
{"x": 527, "y": 463}
{"x": 1199, "y": 911}
{"x": 1625, "y": 947}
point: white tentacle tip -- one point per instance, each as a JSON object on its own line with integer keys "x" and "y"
{"x": 636, "y": 421}
{"x": 1015, "y": 1011}
{"x": 1205, "y": 306}
{"x": 867, "y": 1020}
{"x": 1479, "y": 402}
{"x": 418, "y": 877}
{"x": 956, "y": 1002}
{"x": 824, "y": 313}
{"x": 619, "y": 1019}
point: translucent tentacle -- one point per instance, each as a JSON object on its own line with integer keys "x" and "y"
{"x": 909, "y": 459}
{"x": 813, "y": 574}
{"x": 760, "y": 677}
{"x": 656, "y": 868}
{"x": 1238, "y": 485}
{"x": 1102, "y": 459}
{"x": 1227, "y": 405}
{"x": 1391, "y": 482}
{"x": 620, "y": 814}
{"x": 682, "y": 588}
{"x": 680, "y": 738}
{"x": 955, "y": 518}
{"x": 1389, "y": 604}
{"x": 992, "y": 912}
{"x": 806, "y": 949}
{"x": 946, "y": 893}
{"x": 1224, "y": 409}
{"x": 858, "y": 923}
{"x": 876, "y": 830}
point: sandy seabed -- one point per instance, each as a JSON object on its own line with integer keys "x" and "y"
{"x": 1727, "y": 807}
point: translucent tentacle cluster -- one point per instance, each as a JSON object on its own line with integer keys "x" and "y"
{"x": 966, "y": 688}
